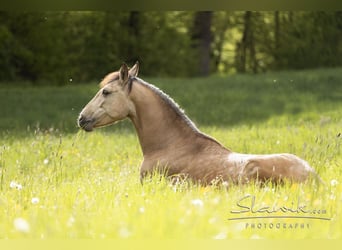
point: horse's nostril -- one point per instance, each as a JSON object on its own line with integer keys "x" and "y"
{"x": 82, "y": 120}
{"x": 85, "y": 123}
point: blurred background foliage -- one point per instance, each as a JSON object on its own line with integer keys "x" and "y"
{"x": 59, "y": 47}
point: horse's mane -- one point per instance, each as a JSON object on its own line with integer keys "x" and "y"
{"x": 174, "y": 106}
{"x": 169, "y": 102}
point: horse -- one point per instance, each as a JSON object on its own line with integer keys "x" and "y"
{"x": 172, "y": 144}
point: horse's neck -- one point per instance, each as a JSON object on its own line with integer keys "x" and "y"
{"x": 158, "y": 125}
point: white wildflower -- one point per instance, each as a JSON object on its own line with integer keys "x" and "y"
{"x": 70, "y": 221}
{"x": 46, "y": 161}
{"x": 225, "y": 184}
{"x": 35, "y": 200}
{"x": 220, "y": 236}
{"x": 239, "y": 226}
{"x": 16, "y": 185}
{"x": 255, "y": 237}
{"x": 333, "y": 183}
{"x": 197, "y": 203}
{"x": 142, "y": 210}
{"x": 21, "y": 225}
{"x": 332, "y": 197}
{"x": 181, "y": 221}
{"x": 13, "y": 184}
{"x": 216, "y": 200}
{"x": 212, "y": 220}
{"x": 124, "y": 232}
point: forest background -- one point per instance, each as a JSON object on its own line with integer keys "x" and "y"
{"x": 57, "y": 47}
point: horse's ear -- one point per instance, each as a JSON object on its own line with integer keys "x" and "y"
{"x": 134, "y": 70}
{"x": 123, "y": 74}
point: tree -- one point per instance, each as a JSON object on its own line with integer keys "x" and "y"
{"x": 276, "y": 38}
{"x": 245, "y": 48}
{"x": 306, "y": 40}
{"x": 54, "y": 47}
{"x": 7, "y": 71}
{"x": 221, "y": 22}
{"x": 134, "y": 22}
{"x": 201, "y": 40}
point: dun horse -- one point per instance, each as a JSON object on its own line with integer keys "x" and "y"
{"x": 172, "y": 144}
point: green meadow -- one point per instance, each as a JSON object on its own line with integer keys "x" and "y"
{"x": 59, "y": 182}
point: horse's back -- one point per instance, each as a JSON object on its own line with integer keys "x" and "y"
{"x": 274, "y": 167}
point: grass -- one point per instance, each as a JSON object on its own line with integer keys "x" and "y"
{"x": 58, "y": 182}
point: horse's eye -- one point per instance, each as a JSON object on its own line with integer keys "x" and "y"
{"x": 105, "y": 92}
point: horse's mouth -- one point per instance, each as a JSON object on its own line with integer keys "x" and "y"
{"x": 87, "y": 128}
{"x": 86, "y": 124}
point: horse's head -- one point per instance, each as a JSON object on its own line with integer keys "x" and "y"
{"x": 111, "y": 103}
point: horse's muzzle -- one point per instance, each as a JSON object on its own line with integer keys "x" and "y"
{"x": 86, "y": 124}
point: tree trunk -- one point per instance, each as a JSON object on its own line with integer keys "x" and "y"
{"x": 276, "y": 39}
{"x": 134, "y": 32}
{"x": 245, "y": 58}
{"x": 290, "y": 14}
{"x": 241, "y": 47}
{"x": 219, "y": 43}
{"x": 201, "y": 40}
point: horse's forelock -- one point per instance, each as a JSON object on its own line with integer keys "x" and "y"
{"x": 109, "y": 78}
